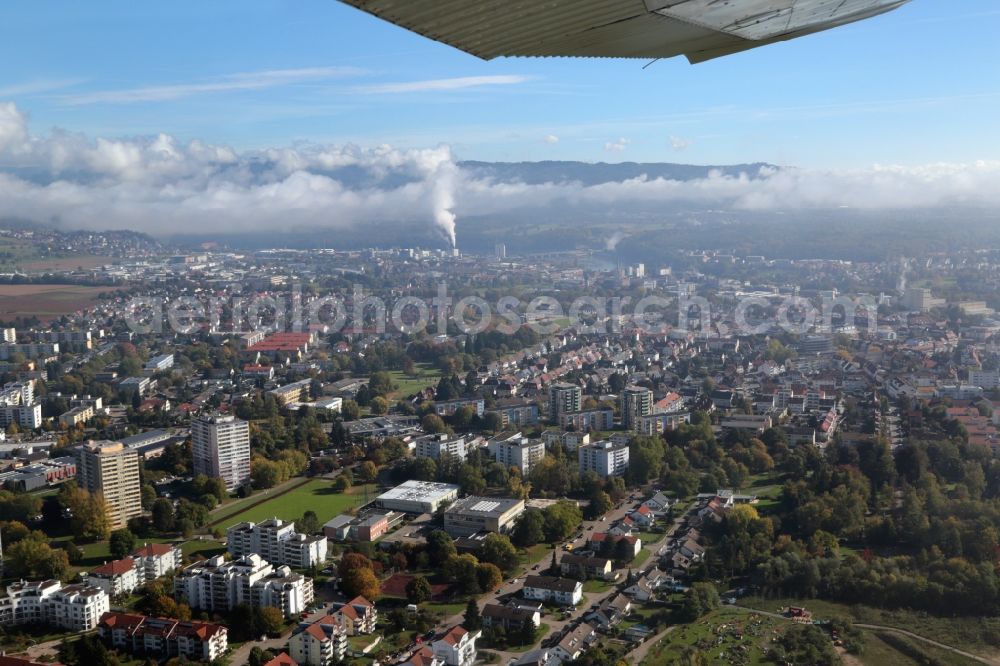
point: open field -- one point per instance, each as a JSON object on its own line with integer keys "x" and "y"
{"x": 45, "y": 301}
{"x": 84, "y": 261}
{"x": 727, "y": 636}
{"x": 315, "y": 495}
{"x": 406, "y": 385}
{"x": 969, "y": 634}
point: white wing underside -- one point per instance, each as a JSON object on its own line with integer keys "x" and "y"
{"x": 698, "y": 29}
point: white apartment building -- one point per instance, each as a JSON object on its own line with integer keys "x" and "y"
{"x": 439, "y": 445}
{"x": 221, "y": 448}
{"x": 604, "y": 457}
{"x": 117, "y": 578}
{"x": 636, "y": 402}
{"x": 985, "y": 379}
{"x": 563, "y": 591}
{"x": 71, "y": 607}
{"x": 517, "y": 451}
{"x": 159, "y": 363}
{"x": 564, "y": 398}
{"x": 218, "y": 585}
{"x": 457, "y": 647}
{"x": 157, "y": 559}
{"x": 320, "y": 643}
{"x": 18, "y": 405}
{"x": 277, "y": 542}
{"x": 112, "y": 470}
{"x": 28, "y": 350}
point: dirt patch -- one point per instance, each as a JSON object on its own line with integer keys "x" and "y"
{"x": 84, "y": 262}
{"x": 45, "y": 301}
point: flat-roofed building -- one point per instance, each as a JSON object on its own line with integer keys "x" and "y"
{"x": 417, "y": 496}
{"x": 220, "y": 447}
{"x": 636, "y": 401}
{"x": 516, "y": 450}
{"x": 605, "y": 458}
{"x": 564, "y": 398}
{"x": 111, "y": 470}
{"x": 440, "y": 445}
{"x": 482, "y": 514}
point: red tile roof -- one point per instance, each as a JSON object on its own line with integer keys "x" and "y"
{"x": 116, "y": 568}
{"x": 153, "y": 549}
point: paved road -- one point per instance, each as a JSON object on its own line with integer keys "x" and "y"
{"x": 558, "y": 623}
{"x": 642, "y": 650}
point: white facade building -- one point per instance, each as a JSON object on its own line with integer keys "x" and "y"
{"x": 71, "y": 607}
{"x": 218, "y": 585}
{"x": 221, "y": 449}
{"x": 517, "y": 451}
{"x": 277, "y": 542}
{"x": 605, "y": 458}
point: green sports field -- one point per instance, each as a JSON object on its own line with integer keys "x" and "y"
{"x": 316, "y": 495}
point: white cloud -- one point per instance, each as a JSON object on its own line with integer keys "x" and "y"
{"x": 241, "y": 81}
{"x": 617, "y": 146}
{"x": 35, "y": 87}
{"x": 679, "y": 144}
{"x": 162, "y": 186}
{"x": 433, "y": 85}
{"x": 551, "y": 138}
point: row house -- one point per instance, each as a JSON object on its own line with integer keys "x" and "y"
{"x": 163, "y": 637}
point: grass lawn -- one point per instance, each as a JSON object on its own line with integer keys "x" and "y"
{"x": 314, "y": 495}
{"x": 202, "y": 548}
{"x": 651, "y": 537}
{"x": 533, "y": 554}
{"x": 595, "y": 585}
{"x": 641, "y": 558}
{"x": 445, "y": 609}
{"x": 406, "y": 385}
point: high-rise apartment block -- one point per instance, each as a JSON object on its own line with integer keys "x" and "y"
{"x": 221, "y": 448}
{"x": 110, "y": 469}
{"x": 564, "y": 398}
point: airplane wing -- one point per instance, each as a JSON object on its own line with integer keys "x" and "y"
{"x": 698, "y": 29}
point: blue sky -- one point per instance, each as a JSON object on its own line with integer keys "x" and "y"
{"x": 919, "y": 85}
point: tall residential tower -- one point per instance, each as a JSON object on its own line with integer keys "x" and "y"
{"x": 221, "y": 448}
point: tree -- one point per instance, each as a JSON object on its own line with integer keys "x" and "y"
{"x": 122, "y": 543}
{"x": 268, "y": 620}
{"x": 432, "y": 423}
{"x": 259, "y": 656}
{"x": 472, "y": 620}
{"x": 699, "y": 600}
{"x": 418, "y": 590}
{"x": 378, "y": 405}
{"x": 530, "y": 529}
{"x": 351, "y": 561}
{"x": 463, "y": 570}
{"x": 33, "y": 558}
{"x": 440, "y": 546}
{"x": 360, "y": 582}
{"x": 163, "y": 515}
{"x": 488, "y": 576}
{"x": 526, "y": 635}
{"x": 367, "y": 471}
{"x": 89, "y": 517}
{"x": 497, "y": 549}
{"x": 350, "y": 410}
{"x": 308, "y": 523}
{"x": 561, "y": 519}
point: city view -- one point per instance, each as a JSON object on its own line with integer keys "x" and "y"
{"x": 441, "y": 333}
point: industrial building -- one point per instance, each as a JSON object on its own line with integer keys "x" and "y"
{"x": 481, "y": 514}
{"x": 417, "y": 497}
